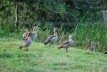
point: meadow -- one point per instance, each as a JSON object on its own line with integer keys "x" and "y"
{"x": 80, "y": 18}
{"x": 41, "y": 58}
{"x": 83, "y": 33}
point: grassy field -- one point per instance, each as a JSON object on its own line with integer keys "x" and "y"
{"x": 42, "y": 58}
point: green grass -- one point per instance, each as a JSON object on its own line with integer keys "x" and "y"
{"x": 83, "y": 33}
{"x": 42, "y": 58}
{"x": 95, "y": 32}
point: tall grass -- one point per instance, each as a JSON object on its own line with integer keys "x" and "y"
{"x": 82, "y": 35}
{"x": 96, "y": 32}
{"x": 7, "y": 34}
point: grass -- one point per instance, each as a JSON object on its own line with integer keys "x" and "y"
{"x": 83, "y": 33}
{"x": 42, "y": 58}
{"x": 95, "y": 32}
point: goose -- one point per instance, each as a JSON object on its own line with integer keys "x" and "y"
{"x": 34, "y": 34}
{"x": 62, "y": 38}
{"x": 91, "y": 48}
{"x": 52, "y": 38}
{"x": 25, "y": 34}
{"x": 67, "y": 44}
{"x": 28, "y": 42}
{"x": 105, "y": 52}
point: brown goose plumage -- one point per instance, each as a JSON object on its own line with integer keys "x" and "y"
{"x": 34, "y": 33}
{"x": 67, "y": 44}
{"x": 52, "y": 38}
{"x": 25, "y": 34}
{"x": 28, "y": 42}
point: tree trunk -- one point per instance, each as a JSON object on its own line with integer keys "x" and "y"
{"x": 17, "y": 19}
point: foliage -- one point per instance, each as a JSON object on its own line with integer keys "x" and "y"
{"x": 81, "y": 18}
{"x": 72, "y": 16}
{"x": 32, "y": 11}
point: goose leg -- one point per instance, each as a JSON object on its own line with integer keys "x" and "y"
{"x": 66, "y": 49}
{"x": 51, "y": 45}
{"x": 20, "y": 47}
{"x": 27, "y": 49}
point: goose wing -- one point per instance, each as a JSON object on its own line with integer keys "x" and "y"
{"x": 25, "y": 35}
{"x": 65, "y": 44}
{"x": 49, "y": 39}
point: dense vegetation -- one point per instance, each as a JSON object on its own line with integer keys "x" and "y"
{"x": 27, "y": 13}
{"x": 82, "y": 18}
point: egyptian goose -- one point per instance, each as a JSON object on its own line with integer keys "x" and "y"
{"x": 34, "y": 34}
{"x": 62, "y": 38}
{"x": 91, "y": 48}
{"x": 25, "y": 34}
{"x": 28, "y": 42}
{"x": 52, "y": 38}
{"x": 67, "y": 44}
{"x": 105, "y": 52}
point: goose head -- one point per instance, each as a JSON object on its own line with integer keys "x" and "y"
{"x": 26, "y": 30}
{"x": 55, "y": 29}
{"x": 92, "y": 43}
{"x": 35, "y": 28}
{"x": 70, "y": 38}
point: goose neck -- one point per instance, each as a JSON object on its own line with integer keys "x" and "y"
{"x": 55, "y": 33}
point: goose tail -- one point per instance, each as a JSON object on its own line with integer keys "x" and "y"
{"x": 60, "y": 47}
{"x": 46, "y": 43}
{"x": 20, "y": 47}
